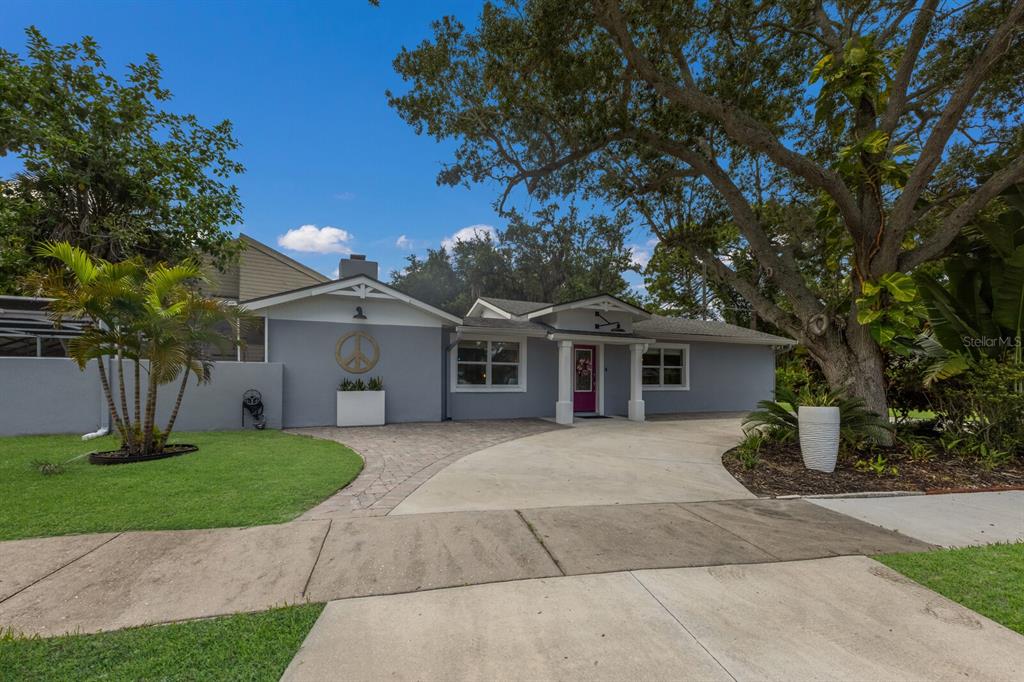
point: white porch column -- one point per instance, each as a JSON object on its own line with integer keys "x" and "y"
{"x": 636, "y": 394}
{"x": 563, "y": 408}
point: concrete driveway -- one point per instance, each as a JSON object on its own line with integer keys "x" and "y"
{"x": 597, "y": 462}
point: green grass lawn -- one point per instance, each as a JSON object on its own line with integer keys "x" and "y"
{"x": 989, "y": 580}
{"x": 237, "y": 478}
{"x": 251, "y": 646}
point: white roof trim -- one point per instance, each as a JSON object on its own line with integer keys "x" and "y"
{"x": 359, "y": 285}
{"x": 601, "y": 302}
{"x": 589, "y": 338}
{"x": 500, "y": 331}
{"x": 490, "y": 306}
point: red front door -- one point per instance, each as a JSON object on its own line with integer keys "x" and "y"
{"x": 584, "y": 395}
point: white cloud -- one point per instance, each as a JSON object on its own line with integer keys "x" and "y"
{"x": 404, "y": 242}
{"x": 313, "y": 239}
{"x": 335, "y": 273}
{"x": 470, "y": 233}
{"x": 640, "y": 255}
{"x": 344, "y": 196}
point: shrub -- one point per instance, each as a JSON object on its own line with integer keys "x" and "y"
{"x": 749, "y": 451}
{"x": 776, "y": 420}
{"x": 981, "y": 412}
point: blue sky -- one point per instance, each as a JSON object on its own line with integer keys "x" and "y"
{"x": 304, "y": 85}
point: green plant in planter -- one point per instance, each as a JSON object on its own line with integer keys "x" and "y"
{"x": 776, "y": 420}
{"x": 375, "y": 384}
{"x": 350, "y": 385}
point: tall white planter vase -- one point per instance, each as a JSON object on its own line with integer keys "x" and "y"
{"x": 819, "y": 437}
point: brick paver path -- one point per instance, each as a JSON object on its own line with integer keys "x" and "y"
{"x": 400, "y": 457}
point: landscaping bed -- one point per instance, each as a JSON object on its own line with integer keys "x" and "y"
{"x": 780, "y": 470}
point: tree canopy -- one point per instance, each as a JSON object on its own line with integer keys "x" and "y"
{"x": 840, "y": 142}
{"x": 105, "y": 165}
{"x": 555, "y": 256}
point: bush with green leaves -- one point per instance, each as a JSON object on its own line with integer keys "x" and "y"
{"x": 981, "y": 413}
{"x": 749, "y": 451}
{"x": 777, "y": 420}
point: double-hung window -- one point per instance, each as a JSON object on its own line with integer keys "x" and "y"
{"x": 666, "y": 368}
{"x": 489, "y": 365}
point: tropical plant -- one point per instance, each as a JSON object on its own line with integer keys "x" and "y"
{"x": 777, "y": 419}
{"x": 976, "y": 303}
{"x": 749, "y": 451}
{"x": 148, "y": 315}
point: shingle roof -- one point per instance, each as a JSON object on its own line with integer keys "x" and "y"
{"x": 515, "y": 307}
{"x": 660, "y": 326}
{"x": 501, "y": 323}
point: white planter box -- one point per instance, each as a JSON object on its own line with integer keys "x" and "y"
{"x": 819, "y": 437}
{"x": 360, "y": 408}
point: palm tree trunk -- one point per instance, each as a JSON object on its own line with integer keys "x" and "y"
{"x": 138, "y": 403}
{"x": 177, "y": 405}
{"x": 147, "y": 438}
{"x": 129, "y": 427}
{"x": 110, "y": 399}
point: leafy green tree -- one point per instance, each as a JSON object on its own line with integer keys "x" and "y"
{"x": 892, "y": 123}
{"x": 555, "y": 256}
{"x": 105, "y": 166}
{"x": 143, "y": 314}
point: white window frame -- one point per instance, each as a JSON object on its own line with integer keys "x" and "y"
{"x": 453, "y": 367}
{"x": 685, "y": 347}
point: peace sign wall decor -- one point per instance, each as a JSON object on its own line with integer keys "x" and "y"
{"x": 357, "y": 352}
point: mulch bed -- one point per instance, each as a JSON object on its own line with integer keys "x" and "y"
{"x": 781, "y": 471}
{"x": 122, "y": 457}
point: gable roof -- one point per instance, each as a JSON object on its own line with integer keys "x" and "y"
{"x": 251, "y": 243}
{"x": 362, "y": 286}
{"x": 604, "y": 301}
{"x": 514, "y": 307}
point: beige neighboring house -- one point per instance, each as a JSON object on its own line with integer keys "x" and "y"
{"x": 261, "y": 271}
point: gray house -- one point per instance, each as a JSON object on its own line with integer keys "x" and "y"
{"x": 599, "y": 356}
{"x": 592, "y": 357}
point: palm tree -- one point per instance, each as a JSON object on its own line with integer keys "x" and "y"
{"x": 146, "y": 315}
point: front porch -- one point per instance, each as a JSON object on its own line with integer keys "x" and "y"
{"x": 580, "y": 376}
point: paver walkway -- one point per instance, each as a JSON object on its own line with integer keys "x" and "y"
{"x": 846, "y": 618}
{"x": 400, "y": 457}
{"x": 93, "y": 583}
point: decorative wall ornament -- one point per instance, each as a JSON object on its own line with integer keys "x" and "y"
{"x": 357, "y": 352}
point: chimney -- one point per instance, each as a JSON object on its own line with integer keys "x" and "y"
{"x": 356, "y": 264}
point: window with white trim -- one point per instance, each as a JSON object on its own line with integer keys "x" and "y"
{"x": 666, "y": 367}
{"x": 489, "y": 364}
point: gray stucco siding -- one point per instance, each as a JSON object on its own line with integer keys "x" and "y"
{"x": 537, "y": 401}
{"x": 724, "y": 377}
{"x": 51, "y": 395}
{"x": 409, "y": 363}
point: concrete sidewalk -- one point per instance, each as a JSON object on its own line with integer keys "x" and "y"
{"x": 841, "y": 618}
{"x": 956, "y": 520}
{"x": 93, "y": 583}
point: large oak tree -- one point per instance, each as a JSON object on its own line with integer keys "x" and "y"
{"x": 892, "y": 124}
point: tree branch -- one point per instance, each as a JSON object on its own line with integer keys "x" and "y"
{"x": 901, "y": 81}
{"x": 783, "y": 268}
{"x": 931, "y": 154}
{"x": 963, "y": 214}
{"x": 739, "y": 126}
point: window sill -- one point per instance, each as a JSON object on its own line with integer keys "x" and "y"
{"x": 488, "y": 389}
{"x": 665, "y": 388}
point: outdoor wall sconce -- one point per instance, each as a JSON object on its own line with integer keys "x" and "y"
{"x": 359, "y": 313}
